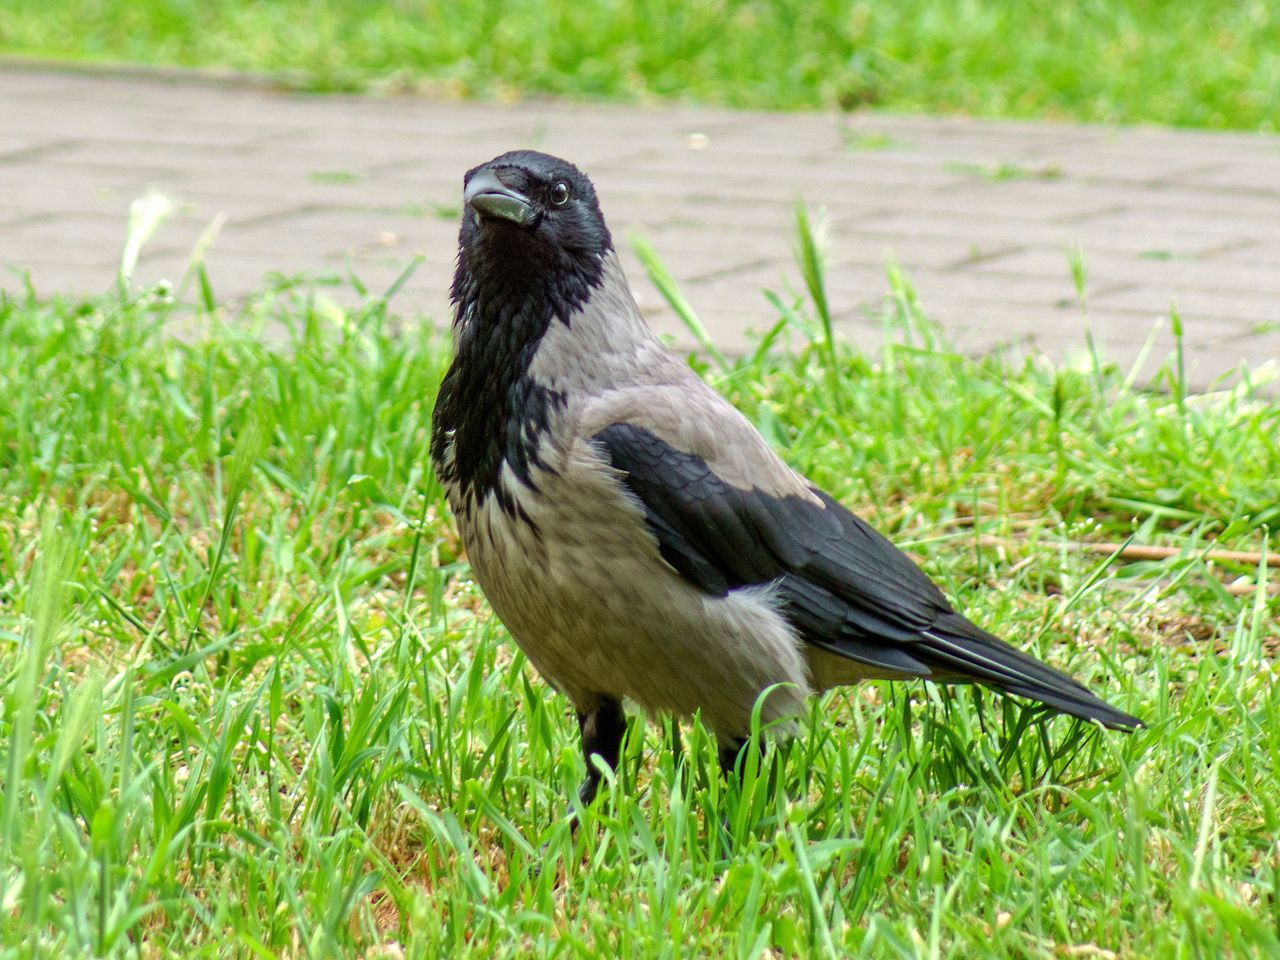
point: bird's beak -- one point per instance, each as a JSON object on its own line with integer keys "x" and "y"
{"x": 490, "y": 197}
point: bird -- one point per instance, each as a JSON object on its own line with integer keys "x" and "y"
{"x": 633, "y": 531}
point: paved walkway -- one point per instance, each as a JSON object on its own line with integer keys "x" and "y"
{"x": 980, "y": 214}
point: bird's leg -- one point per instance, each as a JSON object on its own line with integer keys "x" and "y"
{"x": 677, "y": 746}
{"x": 602, "y": 728}
{"x": 602, "y": 725}
{"x": 731, "y": 748}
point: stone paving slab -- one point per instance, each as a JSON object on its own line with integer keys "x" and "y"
{"x": 979, "y": 214}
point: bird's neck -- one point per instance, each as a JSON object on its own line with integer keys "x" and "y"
{"x": 604, "y": 344}
{"x": 520, "y": 352}
{"x": 490, "y": 412}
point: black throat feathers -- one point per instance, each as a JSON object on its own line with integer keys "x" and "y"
{"x": 507, "y": 290}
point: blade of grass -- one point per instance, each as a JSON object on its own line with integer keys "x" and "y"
{"x": 661, "y": 278}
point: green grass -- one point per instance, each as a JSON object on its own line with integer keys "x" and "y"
{"x": 1178, "y": 61}
{"x": 255, "y": 706}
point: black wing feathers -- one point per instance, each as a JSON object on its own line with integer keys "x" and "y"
{"x": 691, "y": 510}
{"x": 827, "y": 559}
{"x": 842, "y": 584}
{"x": 845, "y": 587}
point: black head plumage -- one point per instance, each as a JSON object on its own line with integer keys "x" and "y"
{"x": 532, "y": 236}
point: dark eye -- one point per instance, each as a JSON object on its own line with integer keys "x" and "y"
{"x": 560, "y": 194}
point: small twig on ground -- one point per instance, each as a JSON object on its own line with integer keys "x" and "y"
{"x": 1139, "y": 551}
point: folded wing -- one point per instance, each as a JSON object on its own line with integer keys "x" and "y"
{"x": 845, "y": 587}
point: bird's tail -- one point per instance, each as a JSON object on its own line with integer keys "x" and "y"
{"x": 958, "y": 649}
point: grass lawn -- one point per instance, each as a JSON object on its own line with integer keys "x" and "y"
{"x": 255, "y": 706}
{"x": 1177, "y": 61}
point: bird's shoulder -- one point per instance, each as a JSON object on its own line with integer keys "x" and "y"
{"x": 688, "y": 421}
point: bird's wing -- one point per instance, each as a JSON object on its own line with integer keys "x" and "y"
{"x": 843, "y": 586}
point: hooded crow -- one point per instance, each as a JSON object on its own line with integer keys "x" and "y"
{"x": 636, "y": 535}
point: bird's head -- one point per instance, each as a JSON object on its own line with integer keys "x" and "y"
{"x": 531, "y": 229}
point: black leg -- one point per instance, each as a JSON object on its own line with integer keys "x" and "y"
{"x": 730, "y": 750}
{"x": 602, "y": 729}
{"x": 677, "y": 745}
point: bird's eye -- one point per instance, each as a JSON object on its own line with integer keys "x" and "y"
{"x": 560, "y": 194}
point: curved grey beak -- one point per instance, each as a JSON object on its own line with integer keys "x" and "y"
{"x": 490, "y": 197}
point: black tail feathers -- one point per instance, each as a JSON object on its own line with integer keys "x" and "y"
{"x": 959, "y": 650}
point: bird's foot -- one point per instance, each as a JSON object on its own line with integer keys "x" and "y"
{"x": 587, "y": 792}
